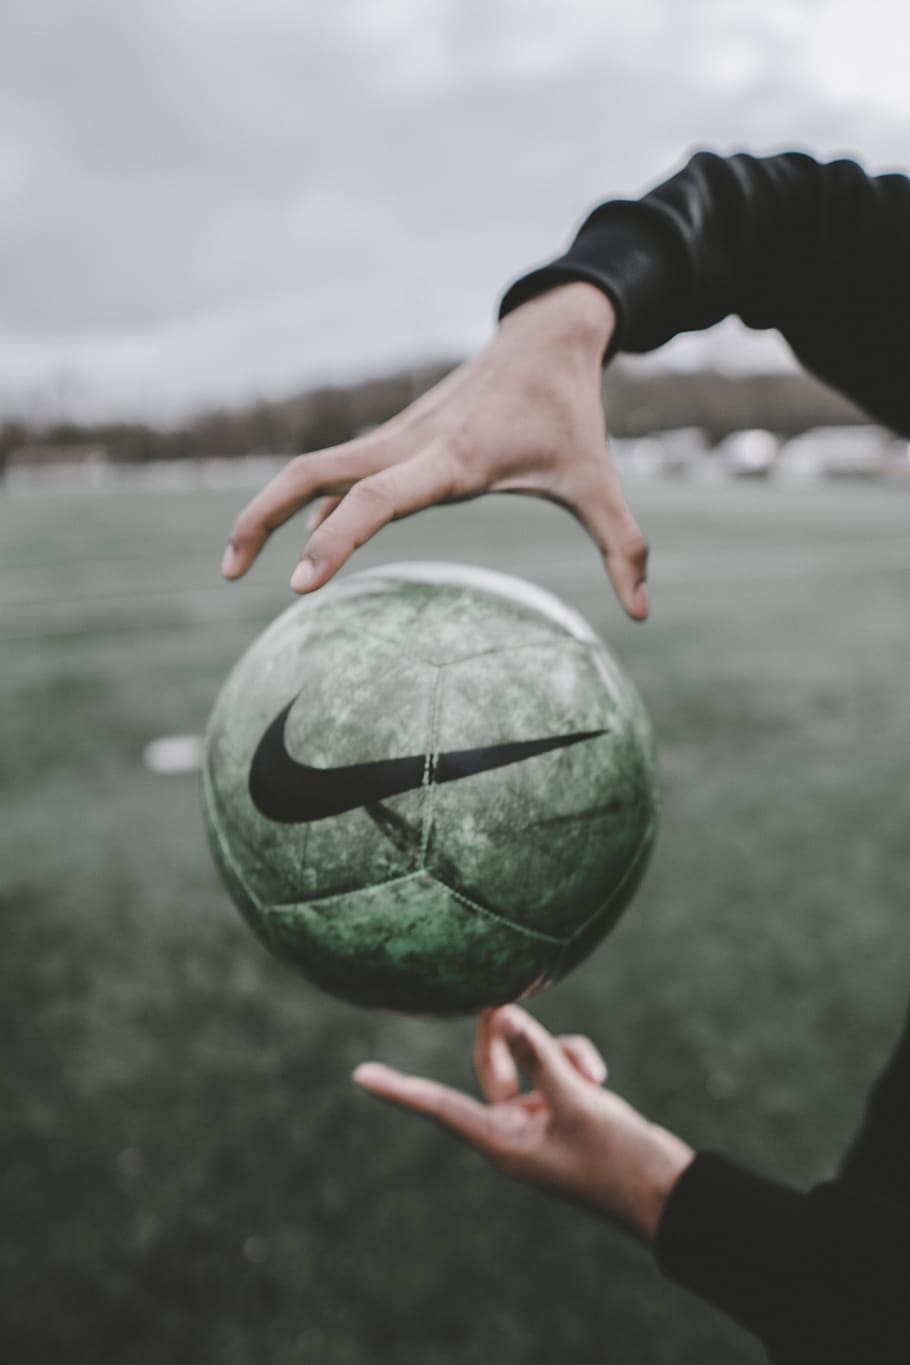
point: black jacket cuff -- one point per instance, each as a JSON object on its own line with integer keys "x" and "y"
{"x": 734, "y": 1238}
{"x": 626, "y": 250}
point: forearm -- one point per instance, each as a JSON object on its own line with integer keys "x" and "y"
{"x": 820, "y": 1277}
{"x": 819, "y": 251}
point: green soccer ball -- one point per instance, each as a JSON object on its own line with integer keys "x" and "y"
{"x": 429, "y": 787}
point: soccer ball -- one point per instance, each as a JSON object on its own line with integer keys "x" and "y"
{"x": 429, "y": 787}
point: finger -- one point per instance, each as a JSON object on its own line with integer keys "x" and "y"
{"x": 537, "y": 1053}
{"x": 626, "y": 558}
{"x": 496, "y": 1072}
{"x": 333, "y": 470}
{"x": 324, "y": 508}
{"x": 607, "y": 518}
{"x": 581, "y": 1052}
{"x": 584, "y": 1056}
{"x": 462, "y": 1114}
{"x": 393, "y": 492}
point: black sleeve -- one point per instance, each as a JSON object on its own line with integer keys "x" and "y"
{"x": 819, "y": 251}
{"x": 822, "y": 1278}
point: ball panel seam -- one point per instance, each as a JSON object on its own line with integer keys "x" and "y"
{"x": 260, "y": 905}
{"x": 287, "y": 908}
{"x": 429, "y": 770}
{"x": 538, "y": 934}
{"x": 544, "y": 643}
{"x": 644, "y": 847}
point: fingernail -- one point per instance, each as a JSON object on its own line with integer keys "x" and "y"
{"x": 229, "y": 562}
{"x": 304, "y": 575}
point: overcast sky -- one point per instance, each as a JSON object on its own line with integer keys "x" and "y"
{"x": 210, "y": 199}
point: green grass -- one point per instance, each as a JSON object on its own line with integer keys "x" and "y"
{"x": 187, "y": 1173}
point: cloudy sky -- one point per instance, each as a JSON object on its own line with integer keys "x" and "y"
{"x": 210, "y": 199}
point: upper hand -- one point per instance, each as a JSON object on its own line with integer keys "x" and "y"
{"x": 567, "y": 1135}
{"x": 525, "y": 416}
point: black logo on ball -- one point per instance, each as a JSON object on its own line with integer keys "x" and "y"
{"x": 289, "y": 792}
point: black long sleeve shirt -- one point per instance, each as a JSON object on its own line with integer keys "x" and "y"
{"x": 820, "y": 252}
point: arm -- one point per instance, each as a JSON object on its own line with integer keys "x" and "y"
{"x": 819, "y": 251}
{"x": 821, "y": 1278}
{"x": 825, "y": 1275}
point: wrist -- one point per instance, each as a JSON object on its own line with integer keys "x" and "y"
{"x": 665, "y": 1158}
{"x": 575, "y": 312}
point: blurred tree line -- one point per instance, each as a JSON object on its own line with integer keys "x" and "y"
{"x": 639, "y": 401}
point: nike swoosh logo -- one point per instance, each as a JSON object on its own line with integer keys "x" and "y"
{"x": 291, "y": 793}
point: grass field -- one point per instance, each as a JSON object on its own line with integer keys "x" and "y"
{"x": 187, "y": 1173}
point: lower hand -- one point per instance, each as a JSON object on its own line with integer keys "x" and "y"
{"x": 568, "y": 1135}
{"x": 525, "y": 416}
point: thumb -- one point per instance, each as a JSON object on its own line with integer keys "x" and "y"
{"x": 539, "y": 1056}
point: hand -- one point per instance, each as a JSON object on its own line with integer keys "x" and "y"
{"x": 567, "y": 1135}
{"x": 525, "y": 416}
